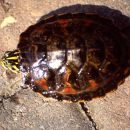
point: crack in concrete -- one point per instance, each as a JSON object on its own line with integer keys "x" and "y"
{"x": 2, "y": 103}
{"x": 12, "y": 98}
{"x": 5, "y": 5}
{"x": 85, "y": 109}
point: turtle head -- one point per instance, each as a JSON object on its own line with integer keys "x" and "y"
{"x": 10, "y": 61}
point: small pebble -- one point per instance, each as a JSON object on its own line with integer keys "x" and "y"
{"x": 7, "y": 21}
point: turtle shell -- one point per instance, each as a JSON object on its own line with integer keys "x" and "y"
{"x": 74, "y": 56}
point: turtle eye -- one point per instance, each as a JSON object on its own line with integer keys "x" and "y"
{"x": 6, "y": 54}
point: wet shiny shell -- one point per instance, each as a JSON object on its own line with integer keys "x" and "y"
{"x": 74, "y": 56}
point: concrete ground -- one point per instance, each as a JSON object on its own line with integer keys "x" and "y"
{"x": 22, "y": 109}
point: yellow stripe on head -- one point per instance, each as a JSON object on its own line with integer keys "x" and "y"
{"x": 11, "y": 61}
{"x": 13, "y": 58}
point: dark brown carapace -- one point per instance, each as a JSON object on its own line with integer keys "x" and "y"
{"x": 74, "y": 56}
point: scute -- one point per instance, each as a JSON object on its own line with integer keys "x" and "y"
{"x": 74, "y": 56}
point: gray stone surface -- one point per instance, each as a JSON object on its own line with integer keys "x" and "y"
{"x": 113, "y": 111}
{"x": 29, "y": 111}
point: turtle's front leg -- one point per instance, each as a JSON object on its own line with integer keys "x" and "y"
{"x": 26, "y": 79}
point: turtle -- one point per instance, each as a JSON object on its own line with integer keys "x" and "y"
{"x": 71, "y": 56}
